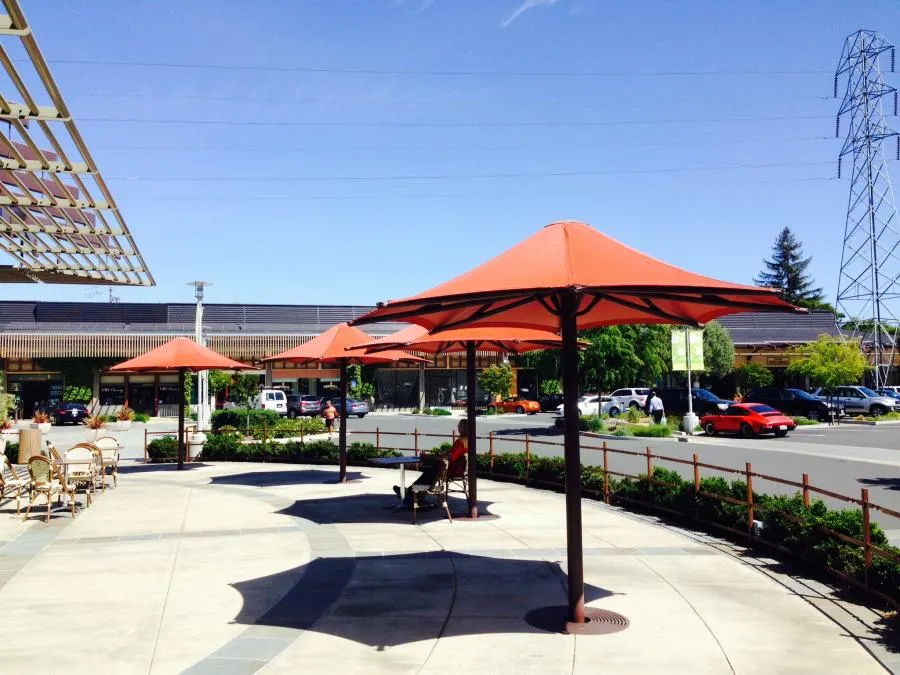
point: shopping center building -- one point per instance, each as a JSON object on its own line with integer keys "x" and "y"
{"x": 47, "y": 346}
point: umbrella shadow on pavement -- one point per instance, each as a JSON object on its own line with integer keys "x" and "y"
{"x": 373, "y": 508}
{"x": 384, "y": 601}
{"x": 887, "y": 483}
{"x": 279, "y": 478}
{"x": 531, "y": 431}
{"x": 155, "y": 468}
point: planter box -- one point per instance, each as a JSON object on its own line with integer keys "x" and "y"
{"x": 91, "y": 435}
{"x": 44, "y": 427}
{"x": 123, "y": 425}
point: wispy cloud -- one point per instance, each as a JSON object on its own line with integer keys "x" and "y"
{"x": 524, "y": 7}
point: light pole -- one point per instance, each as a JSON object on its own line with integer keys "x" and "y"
{"x": 203, "y": 412}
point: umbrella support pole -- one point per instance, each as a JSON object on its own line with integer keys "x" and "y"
{"x": 342, "y": 431}
{"x": 471, "y": 385}
{"x": 569, "y": 334}
{"x": 181, "y": 403}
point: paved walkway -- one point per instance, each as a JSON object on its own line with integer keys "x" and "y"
{"x": 239, "y": 568}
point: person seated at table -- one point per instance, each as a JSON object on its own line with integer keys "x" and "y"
{"x": 431, "y": 464}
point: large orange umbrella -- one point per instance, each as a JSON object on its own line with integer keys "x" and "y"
{"x": 567, "y": 277}
{"x": 501, "y": 339}
{"x": 182, "y": 355}
{"x": 335, "y": 346}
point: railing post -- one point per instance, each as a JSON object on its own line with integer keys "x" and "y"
{"x": 301, "y": 435}
{"x": 605, "y": 472}
{"x": 867, "y": 534}
{"x": 416, "y": 441}
{"x": 806, "y": 490}
{"x": 265, "y": 432}
{"x": 696, "y": 460}
{"x": 377, "y": 438}
{"x": 527, "y": 458}
{"x": 750, "y": 510}
{"x": 491, "y": 452}
{"x": 146, "y": 458}
{"x": 649, "y": 477}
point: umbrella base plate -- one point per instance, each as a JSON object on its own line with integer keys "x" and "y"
{"x": 597, "y": 621}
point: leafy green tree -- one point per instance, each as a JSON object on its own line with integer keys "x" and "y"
{"x": 219, "y": 381}
{"x": 753, "y": 376}
{"x": 496, "y": 380}
{"x": 718, "y": 350}
{"x": 242, "y": 387}
{"x": 618, "y": 356}
{"x": 359, "y": 388}
{"x": 551, "y": 386}
{"x": 829, "y": 361}
{"x": 786, "y": 271}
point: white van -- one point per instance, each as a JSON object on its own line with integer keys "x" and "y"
{"x": 272, "y": 399}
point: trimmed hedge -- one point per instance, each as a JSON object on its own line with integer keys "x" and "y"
{"x": 228, "y": 447}
{"x": 288, "y": 428}
{"x": 787, "y": 523}
{"x": 238, "y": 418}
{"x": 12, "y": 451}
{"x": 163, "y": 449}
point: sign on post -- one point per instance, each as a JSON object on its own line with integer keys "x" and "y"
{"x": 679, "y": 350}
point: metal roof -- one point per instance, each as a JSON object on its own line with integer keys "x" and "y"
{"x": 756, "y": 329}
{"x": 58, "y": 220}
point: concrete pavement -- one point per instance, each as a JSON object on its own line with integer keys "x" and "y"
{"x": 239, "y": 568}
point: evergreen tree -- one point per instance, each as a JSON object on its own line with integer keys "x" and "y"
{"x": 786, "y": 271}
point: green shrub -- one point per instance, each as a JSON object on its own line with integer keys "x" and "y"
{"x": 141, "y": 417}
{"x": 623, "y": 432}
{"x": 593, "y": 423}
{"x": 321, "y": 451}
{"x": 12, "y": 451}
{"x": 163, "y": 449}
{"x": 653, "y": 431}
{"x": 224, "y": 445}
{"x": 633, "y": 415}
{"x": 110, "y": 418}
{"x": 239, "y": 418}
{"x": 362, "y": 452}
{"x": 803, "y": 421}
{"x": 76, "y": 394}
{"x": 439, "y": 412}
{"x": 288, "y": 428}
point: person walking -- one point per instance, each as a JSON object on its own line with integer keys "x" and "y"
{"x": 329, "y": 413}
{"x": 657, "y": 411}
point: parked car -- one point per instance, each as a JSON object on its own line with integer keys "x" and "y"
{"x": 589, "y": 405}
{"x": 69, "y": 413}
{"x": 889, "y": 391}
{"x": 271, "y": 399}
{"x": 748, "y": 420}
{"x": 891, "y": 387}
{"x": 704, "y": 401}
{"x": 859, "y": 400}
{"x": 516, "y": 404}
{"x": 354, "y": 407}
{"x": 549, "y": 402}
{"x": 630, "y": 398}
{"x": 304, "y": 405}
{"x": 794, "y": 402}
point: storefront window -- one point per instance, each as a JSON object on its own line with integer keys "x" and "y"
{"x": 396, "y": 389}
{"x": 112, "y": 394}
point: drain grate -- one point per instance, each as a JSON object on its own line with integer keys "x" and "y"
{"x": 597, "y": 621}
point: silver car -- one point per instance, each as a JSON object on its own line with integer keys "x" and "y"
{"x": 859, "y": 400}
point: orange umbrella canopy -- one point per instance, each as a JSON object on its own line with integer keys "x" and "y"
{"x": 336, "y": 345}
{"x": 615, "y": 285}
{"x": 180, "y": 353}
{"x": 487, "y": 338}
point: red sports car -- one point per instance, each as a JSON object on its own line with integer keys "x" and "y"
{"x": 748, "y": 420}
{"x": 516, "y": 404}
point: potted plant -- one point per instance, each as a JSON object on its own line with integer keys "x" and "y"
{"x": 42, "y": 419}
{"x": 93, "y": 426}
{"x": 124, "y": 418}
{"x": 8, "y": 430}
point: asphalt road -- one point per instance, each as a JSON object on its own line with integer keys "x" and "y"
{"x": 842, "y": 460}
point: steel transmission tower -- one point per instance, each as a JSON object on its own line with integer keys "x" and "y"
{"x": 869, "y": 281}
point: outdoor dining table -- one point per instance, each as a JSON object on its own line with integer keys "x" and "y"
{"x": 401, "y": 462}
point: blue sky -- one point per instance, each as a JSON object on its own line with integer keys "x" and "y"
{"x": 417, "y": 177}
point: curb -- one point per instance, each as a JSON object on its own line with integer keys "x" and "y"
{"x": 870, "y": 423}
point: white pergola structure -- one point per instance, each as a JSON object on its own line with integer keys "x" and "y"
{"x": 58, "y": 220}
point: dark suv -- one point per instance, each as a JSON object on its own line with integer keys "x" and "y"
{"x": 66, "y": 413}
{"x": 306, "y": 405}
{"x": 793, "y": 402}
{"x": 704, "y": 401}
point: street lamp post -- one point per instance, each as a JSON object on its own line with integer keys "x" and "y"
{"x": 203, "y": 412}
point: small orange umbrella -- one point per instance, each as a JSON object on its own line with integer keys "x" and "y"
{"x": 490, "y": 338}
{"x": 180, "y": 354}
{"x": 568, "y": 277}
{"x": 335, "y": 346}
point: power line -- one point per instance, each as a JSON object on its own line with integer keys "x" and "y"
{"x": 453, "y": 148}
{"x": 455, "y": 195}
{"x": 541, "y": 174}
{"x": 534, "y": 123}
{"x": 423, "y": 72}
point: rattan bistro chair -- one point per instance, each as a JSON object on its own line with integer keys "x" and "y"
{"x": 437, "y": 489}
{"x": 11, "y": 483}
{"x": 81, "y": 469}
{"x": 109, "y": 449}
{"x": 458, "y": 477}
{"x": 48, "y": 480}
{"x": 52, "y": 452}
